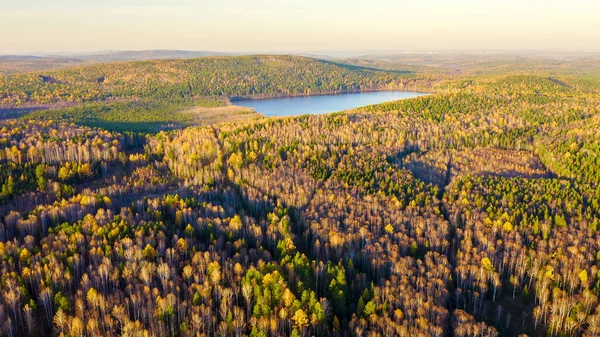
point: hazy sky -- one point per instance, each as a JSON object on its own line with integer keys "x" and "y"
{"x": 298, "y": 25}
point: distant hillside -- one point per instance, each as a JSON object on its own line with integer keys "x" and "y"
{"x": 158, "y": 94}
{"x": 10, "y": 64}
{"x": 176, "y": 79}
{"x": 578, "y": 64}
{"x": 143, "y": 55}
{"x": 19, "y": 58}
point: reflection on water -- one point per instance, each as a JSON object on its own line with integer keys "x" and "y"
{"x": 293, "y": 106}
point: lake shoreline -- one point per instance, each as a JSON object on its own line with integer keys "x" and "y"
{"x": 234, "y": 99}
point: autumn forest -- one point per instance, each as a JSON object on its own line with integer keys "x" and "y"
{"x": 472, "y": 211}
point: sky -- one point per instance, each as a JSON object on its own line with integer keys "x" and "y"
{"x": 298, "y": 26}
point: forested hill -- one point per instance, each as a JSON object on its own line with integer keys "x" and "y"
{"x": 257, "y": 76}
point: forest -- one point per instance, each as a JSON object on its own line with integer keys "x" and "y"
{"x": 473, "y": 211}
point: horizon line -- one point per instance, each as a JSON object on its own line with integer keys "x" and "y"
{"x": 309, "y": 52}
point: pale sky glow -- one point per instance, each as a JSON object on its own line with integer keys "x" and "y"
{"x": 262, "y": 26}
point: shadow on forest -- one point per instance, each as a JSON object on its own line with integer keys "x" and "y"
{"x": 434, "y": 175}
{"x": 10, "y": 113}
{"x": 517, "y": 174}
{"x": 427, "y": 173}
{"x": 509, "y": 315}
{"x": 141, "y": 126}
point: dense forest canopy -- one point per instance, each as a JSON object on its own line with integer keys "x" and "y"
{"x": 474, "y": 211}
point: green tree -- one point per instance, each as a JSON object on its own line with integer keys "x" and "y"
{"x": 8, "y": 188}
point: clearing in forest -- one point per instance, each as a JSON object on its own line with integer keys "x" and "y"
{"x": 214, "y": 115}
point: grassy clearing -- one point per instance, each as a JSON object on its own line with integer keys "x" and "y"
{"x": 212, "y": 115}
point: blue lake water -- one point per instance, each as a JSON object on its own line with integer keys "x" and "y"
{"x": 293, "y": 106}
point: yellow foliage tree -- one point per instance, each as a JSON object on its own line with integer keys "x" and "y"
{"x": 300, "y": 319}
{"x": 487, "y": 264}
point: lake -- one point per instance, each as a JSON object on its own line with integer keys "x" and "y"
{"x": 293, "y": 106}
